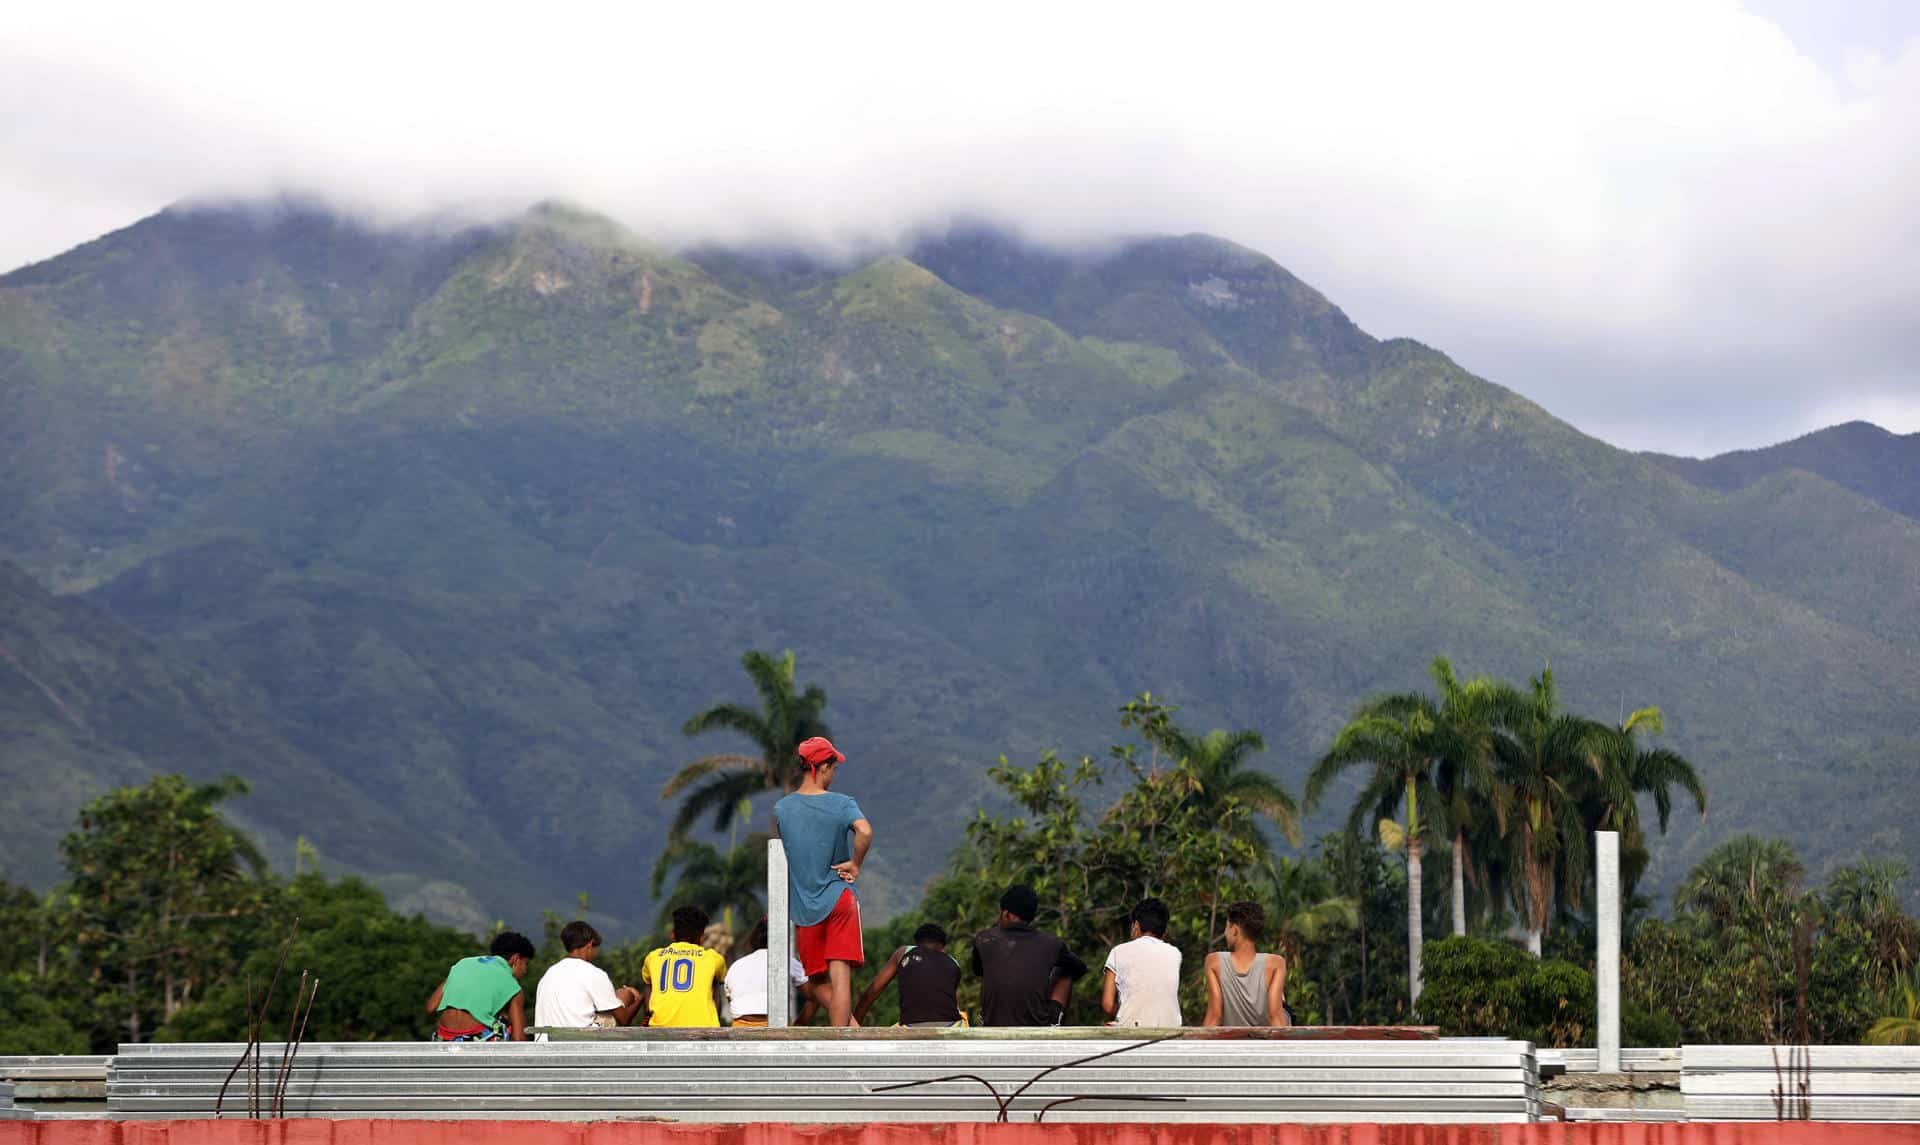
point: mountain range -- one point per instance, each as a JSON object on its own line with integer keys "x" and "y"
{"x": 437, "y": 535}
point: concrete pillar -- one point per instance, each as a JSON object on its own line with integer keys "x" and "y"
{"x": 779, "y": 939}
{"x": 1606, "y": 848}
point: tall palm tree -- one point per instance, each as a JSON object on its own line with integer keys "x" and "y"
{"x": 785, "y": 718}
{"x": 1394, "y": 737}
{"x": 1219, "y": 761}
{"x": 1545, "y": 759}
{"x": 1470, "y": 792}
{"x": 1629, "y": 770}
{"x": 730, "y": 884}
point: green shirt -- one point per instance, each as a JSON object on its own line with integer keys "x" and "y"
{"x": 482, "y": 986}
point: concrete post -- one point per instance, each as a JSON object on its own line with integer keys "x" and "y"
{"x": 1606, "y": 847}
{"x": 779, "y": 939}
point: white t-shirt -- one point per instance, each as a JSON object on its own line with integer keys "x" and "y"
{"x": 570, "y": 993}
{"x": 1146, "y": 971}
{"x": 747, "y": 982}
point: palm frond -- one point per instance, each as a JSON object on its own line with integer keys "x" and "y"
{"x": 701, "y": 768}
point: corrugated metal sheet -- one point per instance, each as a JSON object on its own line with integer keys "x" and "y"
{"x": 850, "y": 1080}
{"x": 1820, "y": 1083}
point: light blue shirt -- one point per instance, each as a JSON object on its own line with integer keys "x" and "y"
{"x": 814, "y": 829}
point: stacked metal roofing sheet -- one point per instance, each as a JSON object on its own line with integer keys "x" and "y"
{"x": 953, "y": 1079}
{"x": 1791, "y": 1083}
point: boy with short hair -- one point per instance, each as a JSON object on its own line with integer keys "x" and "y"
{"x": 1141, "y": 986}
{"x": 826, "y": 837}
{"x": 678, "y": 981}
{"x": 1026, "y": 975}
{"x": 480, "y": 999}
{"x": 574, "y": 994}
{"x": 1244, "y": 986}
{"x": 929, "y": 981}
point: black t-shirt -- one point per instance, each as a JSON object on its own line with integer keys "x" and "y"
{"x": 928, "y": 982}
{"x": 1017, "y": 965}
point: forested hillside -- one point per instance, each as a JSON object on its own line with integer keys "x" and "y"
{"x": 437, "y": 538}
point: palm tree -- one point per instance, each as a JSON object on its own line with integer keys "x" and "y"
{"x": 1546, "y": 758}
{"x": 785, "y": 718}
{"x": 1745, "y": 879}
{"x": 1219, "y": 763}
{"x": 1395, "y": 737}
{"x": 730, "y": 884}
{"x": 1308, "y": 908}
{"x": 1901, "y": 1027}
{"x": 1470, "y": 792}
{"x": 1628, "y": 771}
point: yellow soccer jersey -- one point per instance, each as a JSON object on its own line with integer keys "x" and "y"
{"x": 680, "y": 980}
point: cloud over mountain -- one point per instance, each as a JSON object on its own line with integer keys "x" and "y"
{"x": 1622, "y": 210}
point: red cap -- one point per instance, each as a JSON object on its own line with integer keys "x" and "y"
{"x": 819, "y": 750}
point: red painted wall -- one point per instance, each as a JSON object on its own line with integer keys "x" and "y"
{"x": 325, "y": 1132}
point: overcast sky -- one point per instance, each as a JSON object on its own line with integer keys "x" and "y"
{"x": 1683, "y": 224}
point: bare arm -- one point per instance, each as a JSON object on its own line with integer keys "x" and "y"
{"x": 1277, "y": 993}
{"x": 862, "y": 840}
{"x": 880, "y": 982}
{"x": 1110, "y": 992}
{"x": 1062, "y": 992}
{"x": 517, "y": 1018}
{"x": 630, "y": 1002}
{"x": 1215, "y": 1006}
{"x": 433, "y": 1003}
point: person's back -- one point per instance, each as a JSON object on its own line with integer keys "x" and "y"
{"x": 1244, "y": 986}
{"x": 575, "y": 994}
{"x": 746, "y": 984}
{"x": 678, "y": 979}
{"x": 481, "y": 1000}
{"x": 1142, "y": 987}
{"x": 1026, "y": 975}
{"x": 929, "y": 986}
{"x": 1243, "y": 993}
{"x": 814, "y": 832}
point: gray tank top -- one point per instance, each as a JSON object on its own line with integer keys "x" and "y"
{"x": 1243, "y": 997}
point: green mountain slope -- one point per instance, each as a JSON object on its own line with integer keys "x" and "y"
{"x": 1881, "y": 466}
{"x": 473, "y": 520}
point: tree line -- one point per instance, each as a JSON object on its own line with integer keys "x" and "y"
{"x": 169, "y": 918}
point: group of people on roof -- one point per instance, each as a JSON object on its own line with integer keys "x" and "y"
{"x": 1027, "y": 976}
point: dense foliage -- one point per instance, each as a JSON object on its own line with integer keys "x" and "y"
{"x": 1477, "y": 986}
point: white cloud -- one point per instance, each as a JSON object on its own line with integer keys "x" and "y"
{"x": 1574, "y": 200}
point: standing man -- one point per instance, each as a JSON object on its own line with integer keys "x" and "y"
{"x": 823, "y": 864}
{"x": 1244, "y": 986}
{"x": 1141, "y": 986}
{"x": 574, "y": 994}
{"x": 1026, "y": 975}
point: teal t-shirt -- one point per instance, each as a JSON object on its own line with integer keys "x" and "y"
{"x": 814, "y": 830}
{"x": 482, "y": 986}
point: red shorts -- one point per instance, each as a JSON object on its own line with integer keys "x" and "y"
{"x": 835, "y": 938}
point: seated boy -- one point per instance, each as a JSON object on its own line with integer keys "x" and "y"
{"x": 678, "y": 982}
{"x": 1026, "y": 975}
{"x": 480, "y": 999}
{"x": 1141, "y": 986}
{"x": 747, "y": 981}
{"x": 574, "y": 994}
{"x": 1245, "y": 987}
{"x": 929, "y": 980}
